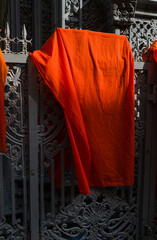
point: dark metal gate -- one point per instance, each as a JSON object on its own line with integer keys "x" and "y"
{"x": 30, "y": 205}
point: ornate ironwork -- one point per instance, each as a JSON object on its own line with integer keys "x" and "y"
{"x": 105, "y": 213}
{"x": 72, "y": 17}
{"x": 48, "y": 19}
{"x": 7, "y": 41}
{"x": 11, "y": 232}
{"x": 16, "y": 107}
{"x": 17, "y": 128}
{"x": 101, "y": 215}
{"x": 52, "y": 130}
{"x": 97, "y": 16}
{"x": 143, "y": 33}
{"x": 124, "y": 12}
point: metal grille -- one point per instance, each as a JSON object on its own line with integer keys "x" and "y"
{"x": 14, "y": 165}
{"x": 33, "y": 203}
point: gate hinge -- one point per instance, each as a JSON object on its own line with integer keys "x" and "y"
{"x": 152, "y": 96}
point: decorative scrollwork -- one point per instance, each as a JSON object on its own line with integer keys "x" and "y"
{"x": 52, "y": 148}
{"x": 11, "y": 232}
{"x": 52, "y": 130}
{"x": 14, "y": 91}
{"x": 143, "y": 33}
{"x": 16, "y": 105}
{"x": 98, "y": 216}
{"x": 97, "y": 16}
{"x": 72, "y": 8}
{"x": 124, "y": 12}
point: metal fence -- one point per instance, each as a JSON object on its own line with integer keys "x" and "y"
{"x": 31, "y": 206}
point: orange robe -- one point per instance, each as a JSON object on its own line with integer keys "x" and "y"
{"x": 91, "y": 74}
{"x": 3, "y": 75}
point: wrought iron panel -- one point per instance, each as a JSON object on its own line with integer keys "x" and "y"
{"x": 48, "y": 19}
{"x": 105, "y": 213}
{"x": 13, "y": 223}
{"x": 142, "y": 34}
{"x": 72, "y": 14}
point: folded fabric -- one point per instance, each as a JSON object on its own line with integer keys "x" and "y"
{"x": 91, "y": 74}
{"x": 3, "y": 75}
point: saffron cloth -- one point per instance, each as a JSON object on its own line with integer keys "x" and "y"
{"x": 91, "y": 74}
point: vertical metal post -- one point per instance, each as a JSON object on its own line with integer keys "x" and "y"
{"x": 149, "y": 172}
{"x": 33, "y": 152}
{"x": 58, "y": 13}
{"x": 153, "y": 149}
{"x": 24, "y": 187}
{"x": 80, "y": 14}
{"x": 41, "y": 159}
{"x": 1, "y": 188}
{"x": 13, "y": 195}
{"x": 52, "y": 189}
{"x": 37, "y": 19}
{"x": 62, "y": 179}
{"x": 15, "y": 21}
{"x": 72, "y": 179}
{"x": 63, "y": 14}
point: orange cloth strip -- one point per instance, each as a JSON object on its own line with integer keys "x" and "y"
{"x": 3, "y": 75}
{"x": 91, "y": 74}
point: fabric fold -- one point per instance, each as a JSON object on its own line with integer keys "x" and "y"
{"x": 91, "y": 75}
{"x": 3, "y": 75}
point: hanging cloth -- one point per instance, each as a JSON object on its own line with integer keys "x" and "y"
{"x": 3, "y": 75}
{"x": 150, "y": 53}
{"x": 91, "y": 75}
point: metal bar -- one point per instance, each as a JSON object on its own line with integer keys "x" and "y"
{"x": 15, "y": 58}
{"x": 122, "y": 192}
{"x": 52, "y": 189}
{"x": 62, "y": 180}
{"x": 130, "y": 193}
{"x": 24, "y": 187}
{"x": 42, "y": 208}
{"x": 72, "y": 179}
{"x": 139, "y": 188}
{"x": 80, "y": 15}
{"x": 33, "y": 152}
{"x": 13, "y": 195}
{"x": 153, "y": 157}
{"x": 144, "y": 65}
{"x": 153, "y": 171}
{"x": 37, "y": 24}
{"x": 58, "y": 13}
{"x": 148, "y": 148}
{"x": 146, "y": 13}
{"x": 15, "y": 21}
{"x": 1, "y": 188}
{"x": 63, "y": 14}
{"x": 24, "y": 162}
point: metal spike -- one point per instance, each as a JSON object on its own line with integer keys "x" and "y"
{"x": 24, "y": 32}
{"x": 7, "y": 31}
